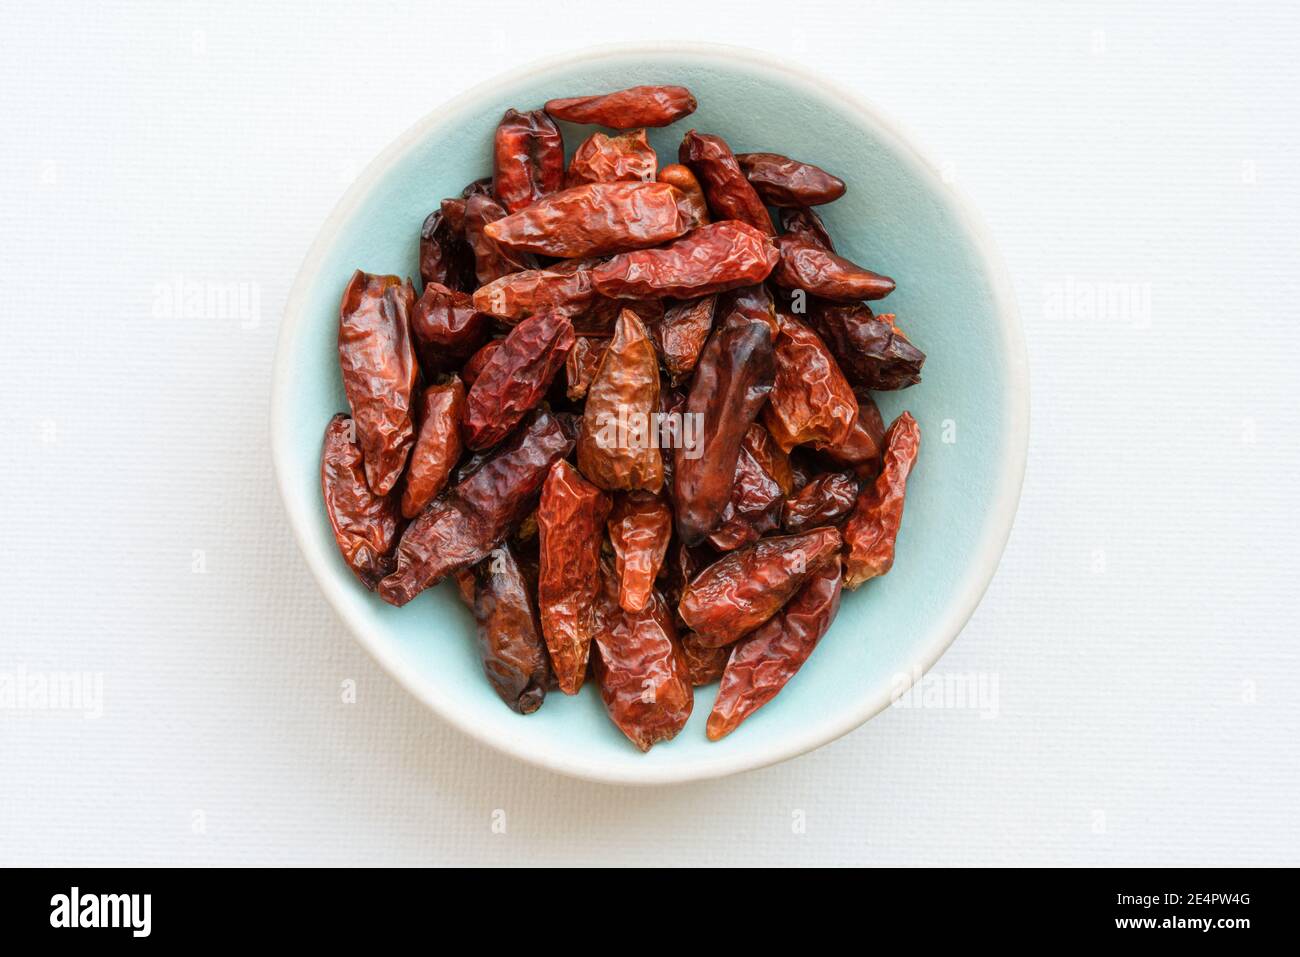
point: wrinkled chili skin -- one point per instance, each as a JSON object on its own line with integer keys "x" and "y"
{"x": 640, "y": 527}
{"x": 872, "y": 530}
{"x": 753, "y": 302}
{"x": 365, "y": 524}
{"x": 516, "y": 377}
{"x": 564, "y": 288}
{"x": 617, "y": 448}
{"x": 594, "y": 220}
{"x": 762, "y": 664}
{"x": 640, "y": 669}
{"x": 527, "y": 159}
{"x": 871, "y": 351}
{"x": 675, "y": 174}
{"x": 474, "y": 365}
{"x": 745, "y": 588}
{"x": 600, "y": 319}
{"x": 444, "y": 256}
{"x": 510, "y": 643}
{"x": 728, "y": 192}
{"x": 570, "y": 528}
{"x": 628, "y": 109}
{"x": 865, "y": 443}
{"x": 491, "y": 259}
{"x": 477, "y": 515}
{"x": 437, "y": 445}
{"x": 582, "y": 364}
{"x": 447, "y": 328}
{"x": 704, "y": 665}
{"x": 681, "y": 335}
{"x": 781, "y": 181}
{"x": 754, "y": 507}
{"x": 775, "y": 461}
{"x": 806, "y": 265}
{"x": 711, "y": 259}
{"x": 732, "y": 381}
{"x": 379, "y": 372}
{"x": 811, "y": 401}
{"x": 807, "y": 224}
{"x": 823, "y": 501}
{"x": 610, "y": 159}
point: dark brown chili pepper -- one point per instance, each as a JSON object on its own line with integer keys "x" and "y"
{"x": 582, "y": 364}
{"x": 516, "y": 378}
{"x": 728, "y": 192}
{"x": 754, "y": 507}
{"x": 640, "y": 527}
{"x": 618, "y": 447}
{"x": 491, "y": 259}
{"x": 745, "y": 588}
{"x": 732, "y": 381}
{"x": 762, "y": 664}
{"x": 437, "y": 445}
{"x": 781, "y": 181}
{"x": 365, "y": 524}
{"x": 711, "y": 259}
{"x": 862, "y": 449}
{"x": 594, "y": 220}
{"x": 445, "y": 257}
{"x": 626, "y": 109}
{"x": 675, "y": 174}
{"x": 704, "y": 665}
{"x": 870, "y": 349}
{"x": 807, "y": 224}
{"x": 811, "y": 401}
{"x": 570, "y": 527}
{"x": 806, "y": 265}
{"x": 600, "y": 319}
{"x": 872, "y": 529}
{"x": 823, "y": 501}
{"x": 379, "y": 372}
{"x": 610, "y": 159}
{"x": 564, "y": 288}
{"x": 447, "y": 328}
{"x": 639, "y": 666}
{"x": 509, "y": 636}
{"x": 682, "y": 334}
{"x": 477, "y": 515}
{"x": 528, "y": 159}
{"x": 775, "y": 461}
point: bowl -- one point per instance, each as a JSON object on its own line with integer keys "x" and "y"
{"x": 898, "y": 218}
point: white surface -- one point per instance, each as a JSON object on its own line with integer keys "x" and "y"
{"x": 1141, "y": 631}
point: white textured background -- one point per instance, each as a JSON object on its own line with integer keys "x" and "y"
{"x": 1142, "y": 628}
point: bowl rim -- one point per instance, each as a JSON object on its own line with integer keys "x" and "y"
{"x": 1015, "y": 398}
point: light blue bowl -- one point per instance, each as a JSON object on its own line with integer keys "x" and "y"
{"x": 898, "y": 218}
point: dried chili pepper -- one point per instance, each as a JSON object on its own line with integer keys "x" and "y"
{"x": 823, "y": 501}
{"x": 704, "y": 665}
{"x": 775, "y": 461}
{"x": 564, "y": 288}
{"x": 437, "y": 445}
{"x": 528, "y": 159}
{"x": 806, "y": 224}
{"x": 447, "y": 328}
{"x": 682, "y": 333}
{"x": 509, "y": 635}
{"x": 570, "y": 528}
{"x": 806, "y": 265}
{"x": 476, "y": 516}
{"x": 516, "y": 377}
{"x": 762, "y": 664}
{"x": 728, "y": 192}
{"x": 582, "y": 364}
{"x": 811, "y": 401}
{"x": 872, "y": 529}
{"x": 675, "y": 174}
{"x": 610, "y": 159}
{"x": 474, "y": 365}
{"x": 600, "y": 319}
{"x": 639, "y": 666}
{"x": 594, "y": 220}
{"x": 491, "y": 259}
{"x": 711, "y": 259}
{"x": 640, "y": 527}
{"x": 365, "y": 524}
{"x": 861, "y": 450}
{"x": 781, "y": 181}
{"x": 732, "y": 381}
{"x": 870, "y": 349}
{"x": 445, "y": 258}
{"x": 753, "y": 509}
{"x": 379, "y": 372}
{"x": 618, "y": 447}
{"x": 745, "y": 588}
{"x": 626, "y": 109}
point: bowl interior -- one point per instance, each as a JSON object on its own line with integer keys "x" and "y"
{"x": 897, "y": 218}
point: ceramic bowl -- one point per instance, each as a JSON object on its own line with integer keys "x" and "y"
{"x": 898, "y": 218}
